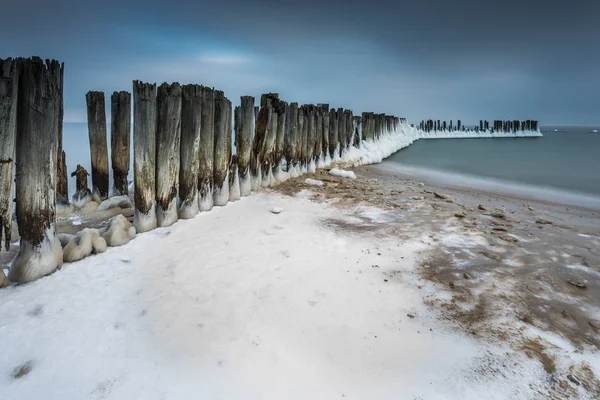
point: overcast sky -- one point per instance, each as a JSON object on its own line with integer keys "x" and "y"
{"x": 441, "y": 59}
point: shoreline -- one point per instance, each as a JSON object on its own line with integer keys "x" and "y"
{"x": 341, "y": 279}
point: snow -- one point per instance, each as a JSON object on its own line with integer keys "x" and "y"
{"x": 313, "y": 182}
{"x": 342, "y": 173}
{"x": 119, "y": 231}
{"x": 83, "y": 244}
{"x": 122, "y": 201}
{"x": 189, "y": 210}
{"x": 201, "y": 307}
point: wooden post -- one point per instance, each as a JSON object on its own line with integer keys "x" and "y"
{"x": 341, "y": 130}
{"x": 40, "y": 252}
{"x": 318, "y": 143}
{"x": 189, "y": 150}
{"x": 333, "y": 133}
{"x": 120, "y": 139}
{"x": 266, "y": 136}
{"x": 96, "y": 112}
{"x": 356, "y": 125}
{"x": 81, "y": 178}
{"x": 9, "y": 88}
{"x": 62, "y": 182}
{"x": 311, "y": 137}
{"x": 234, "y": 178}
{"x": 325, "y": 130}
{"x": 244, "y": 132}
{"x": 349, "y": 128}
{"x": 207, "y": 151}
{"x": 144, "y": 155}
{"x": 304, "y": 116}
{"x": 168, "y": 139}
{"x": 280, "y": 109}
{"x": 293, "y": 143}
{"x": 222, "y": 153}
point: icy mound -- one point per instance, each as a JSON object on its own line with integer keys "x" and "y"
{"x": 342, "y": 173}
{"x": 119, "y": 232}
{"x": 83, "y": 244}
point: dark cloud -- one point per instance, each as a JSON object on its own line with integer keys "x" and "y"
{"x": 465, "y": 59}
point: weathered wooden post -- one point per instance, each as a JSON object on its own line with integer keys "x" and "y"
{"x": 244, "y": 131}
{"x": 40, "y": 252}
{"x": 144, "y": 155}
{"x": 120, "y": 138}
{"x": 81, "y": 178}
{"x": 168, "y": 139}
{"x": 293, "y": 141}
{"x": 304, "y": 116}
{"x": 333, "y": 133}
{"x": 9, "y": 87}
{"x": 96, "y": 113}
{"x": 234, "y": 179}
{"x": 356, "y": 124}
{"x": 341, "y": 130}
{"x": 324, "y": 151}
{"x": 318, "y": 142}
{"x": 189, "y": 150}
{"x": 207, "y": 151}
{"x": 278, "y": 152}
{"x": 349, "y": 128}
{"x": 222, "y": 152}
{"x": 62, "y": 181}
{"x": 459, "y": 125}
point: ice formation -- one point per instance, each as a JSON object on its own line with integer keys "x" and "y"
{"x": 83, "y": 244}
{"x": 342, "y": 173}
{"x": 119, "y": 232}
{"x": 34, "y": 262}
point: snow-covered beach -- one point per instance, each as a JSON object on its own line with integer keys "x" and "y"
{"x": 303, "y": 292}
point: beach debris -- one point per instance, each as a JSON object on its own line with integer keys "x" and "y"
{"x": 508, "y": 238}
{"x": 420, "y": 184}
{"x": 461, "y": 214}
{"x": 490, "y": 255}
{"x": 578, "y": 283}
{"x": 22, "y": 370}
{"x": 276, "y": 210}
{"x": 594, "y": 323}
{"x": 411, "y": 316}
{"x": 574, "y": 379}
{"x": 530, "y": 208}
{"x": 500, "y": 229}
{"x": 417, "y": 198}
{"x": 543, "y": 221}
{"x": 442, "y": 196}
{"x": 482, "y": 208}
{"x": 498, "y": 213}
{"x": 466, "y": 275}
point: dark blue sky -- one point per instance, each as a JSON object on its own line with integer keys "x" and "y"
{"x": 462, "y": 59}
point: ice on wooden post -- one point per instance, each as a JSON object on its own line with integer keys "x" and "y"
{"x": 244, "y": 132}
{"x": 40, "y": 251}
{"x": 144, "y": 155}
{"x": 120, "y": 133}
{"x": 62, "y": 181}
{"x": 191, "y": 121}
{"x": 207, "y": 149}
{"x": 311, "y": 138}
{"x": 168, "y": 134}
{"x": 9, "y": 86}
{"x": 96, "y": 113}
{"x": 264, "y": 141}
{"x": 234, "y": 179}
{"x": 222, "y": 149}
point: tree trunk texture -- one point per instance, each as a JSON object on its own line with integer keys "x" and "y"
{"x": 120, "y": 138}
{"x": 62, "y": 181}
{"x": 40, "y": 252}
{"x": 168, "y": 136}
{"x": 9, "y": 88}
{"x": 244, "y": 132}
{"x": 144, "y": 155}
{"x": 96, "y": 112}
{"x": 191, "y": 125}
{"x": 207, "y": 149}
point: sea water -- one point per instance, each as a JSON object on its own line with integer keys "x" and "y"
{"x": 563, "y": 165}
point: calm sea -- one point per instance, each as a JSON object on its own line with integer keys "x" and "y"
{"x": 561, "y": 166}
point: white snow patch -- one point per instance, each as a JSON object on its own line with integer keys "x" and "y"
{"x": 342, "y": 173}
{"x": 83, "y": 244}
{"x": 313, "y": 182}
{"x": 122, "y": 201}
{"x": 119, "y": 232}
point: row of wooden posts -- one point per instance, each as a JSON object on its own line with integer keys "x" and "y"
{"x": 498, "y": 126}
{"x": 183, "y": 160}
{"x": 182, "y": 139}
